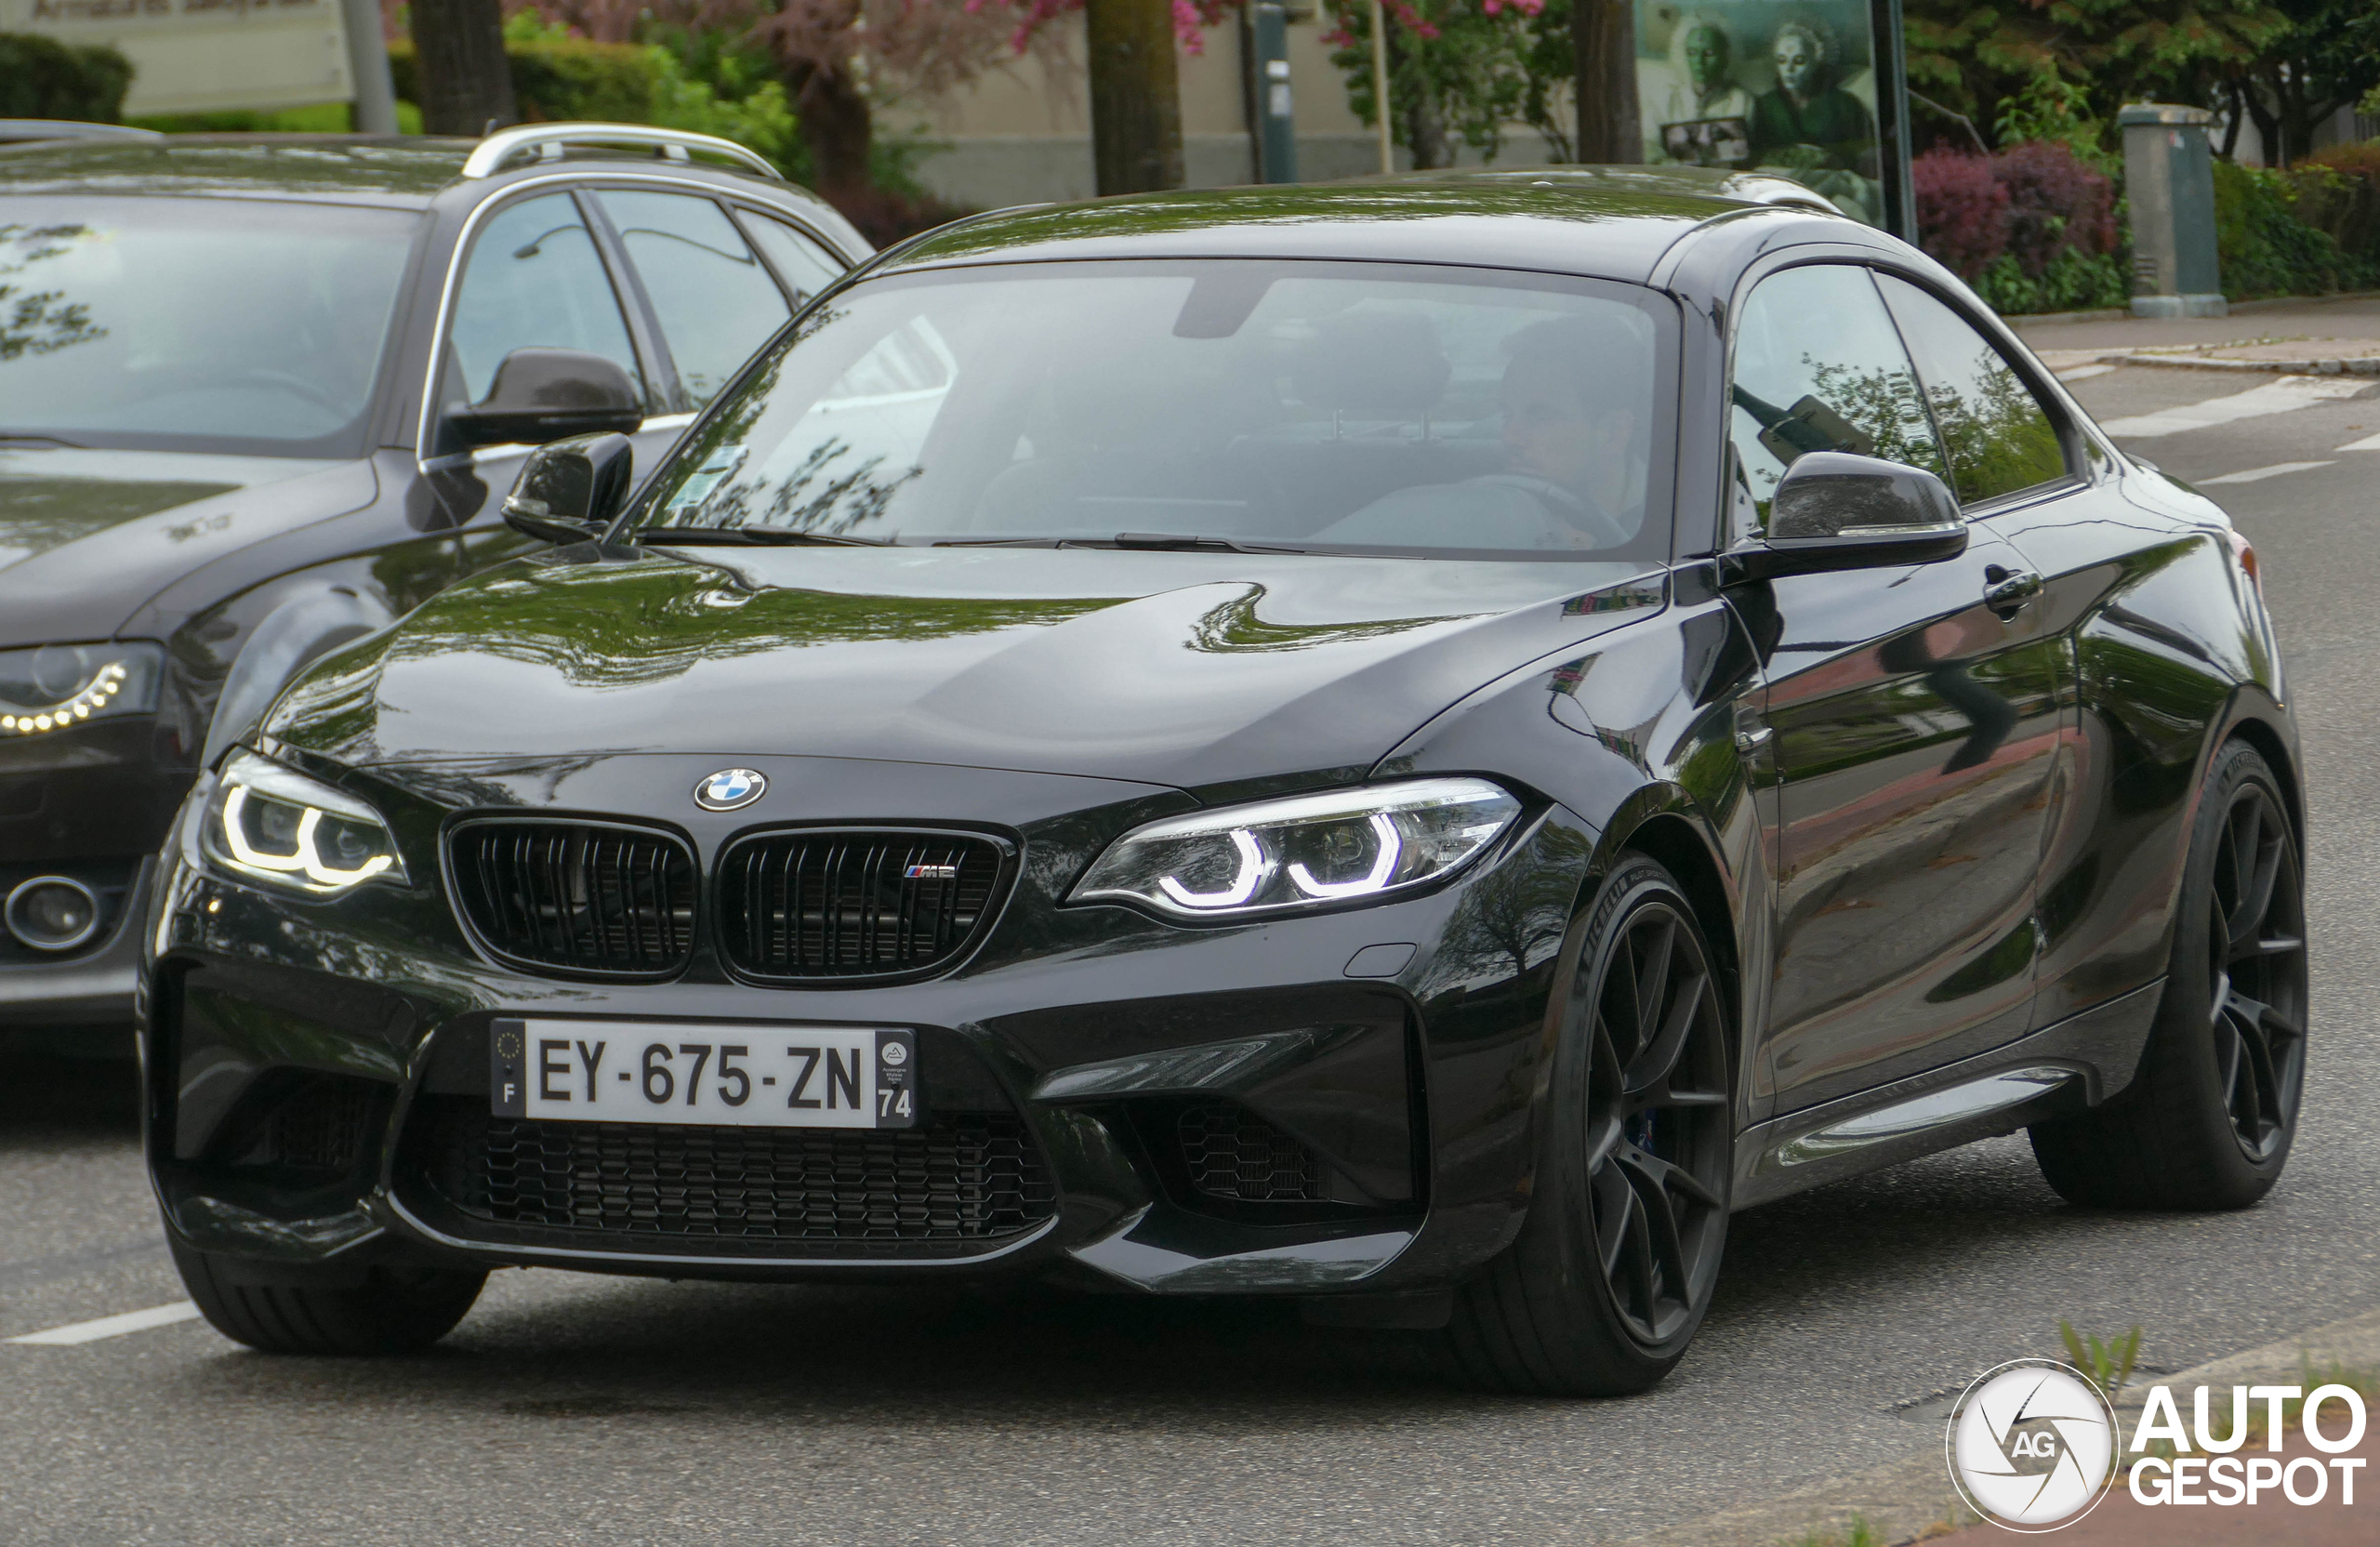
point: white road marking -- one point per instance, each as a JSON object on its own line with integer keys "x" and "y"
{"x": 2079, "y": 373}
{"x": 2370, "y": 443}
{"x": 2274, "y": 397}
{"x": 113, "y": 1327}
{"x": 2255, "y": 474}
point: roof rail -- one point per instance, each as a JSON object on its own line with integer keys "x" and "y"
{"x": 548, "y": 141}
{"x": 16, "y": 130}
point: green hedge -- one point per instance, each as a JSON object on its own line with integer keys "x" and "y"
{"x": 41, "y": 77}
{"x": 562, "y": 79}
{"x": 2266, "y": 245}
{"x": 558, "y": 79}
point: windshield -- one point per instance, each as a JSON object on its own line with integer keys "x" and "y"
{"x": 1307, "y": 405}
{"x": 194, "y": 324}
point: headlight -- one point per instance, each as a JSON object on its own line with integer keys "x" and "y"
{"x": 52, "y": 686}
{"x": 274, "y": 825}
{"x": 1309, "y": 850}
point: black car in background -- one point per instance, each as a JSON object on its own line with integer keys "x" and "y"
{"x": 256, "y": 397}
{"x": 1407, "y": 745}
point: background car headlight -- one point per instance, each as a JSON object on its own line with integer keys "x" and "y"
{"x": 50, "y": 687}
{"x": 274, "y": 825}
{"x": 1308, "y": 850}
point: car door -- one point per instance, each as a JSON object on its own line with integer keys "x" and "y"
{"x": 1913, "y": 715}
{"x": 2118, "y": 586}
{"x": 538, "y": 274}
{"x": 714, "y": 301}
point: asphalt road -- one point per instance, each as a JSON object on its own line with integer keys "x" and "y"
{"x": 620, "y": 1411}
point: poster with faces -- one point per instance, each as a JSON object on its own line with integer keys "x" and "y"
{"x": 1782, "y": 86}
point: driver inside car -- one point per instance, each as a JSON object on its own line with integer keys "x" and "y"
{"x": 1574, "y": 468}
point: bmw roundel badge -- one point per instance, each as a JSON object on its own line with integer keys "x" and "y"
{"x": 731, "y": 789}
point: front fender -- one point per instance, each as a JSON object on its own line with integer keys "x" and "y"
{"x": 291, "y": 637}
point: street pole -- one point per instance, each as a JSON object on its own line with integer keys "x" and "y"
{"x": 1379, "y": 86}
{"x": 367, "y": 68}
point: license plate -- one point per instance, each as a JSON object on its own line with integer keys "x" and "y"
{"x": 709, "y": 1076}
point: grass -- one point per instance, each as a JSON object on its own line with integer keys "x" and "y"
{"x": 1862, "y": 1535}
{"x": 2107, "y": 1365}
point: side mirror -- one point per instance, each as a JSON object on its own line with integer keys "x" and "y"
{"x": 1833, "y": 511}
{"x": 571, "y": 491}
{"x": 541, "y": 395}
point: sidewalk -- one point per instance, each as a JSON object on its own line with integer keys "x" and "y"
{"x": 2302, "y": 337}
{"x": 1913, "y": 1500}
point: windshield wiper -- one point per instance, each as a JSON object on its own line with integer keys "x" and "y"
{"x": 752, "y": 536}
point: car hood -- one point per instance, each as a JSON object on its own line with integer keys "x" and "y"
{"x": 86, "y": 535}
{"x": 1196, "y": 669}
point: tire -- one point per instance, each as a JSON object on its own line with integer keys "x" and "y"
{"x": 391, "y": 1310}
{"x": 2208, "y": 1120}
{"x": 1613, "y": 1270}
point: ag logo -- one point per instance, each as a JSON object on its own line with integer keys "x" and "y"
{"x": 2031, "y": 1446}
{"x": 731, "y": 788}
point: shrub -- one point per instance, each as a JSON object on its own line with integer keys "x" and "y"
{"x": 2057, "y": 205}
{"x": 2338, "y": 192}
{"x": 1962, "y": 210}
{"x": 2265, "y": 248}
{"x": 41, "y": 77}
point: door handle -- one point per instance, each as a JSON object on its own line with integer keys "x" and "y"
{"x": 2007, "y": 593}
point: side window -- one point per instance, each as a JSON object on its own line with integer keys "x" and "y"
{"x": 1999, "y": 437}
{"x": 805, "y": 265}
{"x": 1818, "y": 367}
{"x": 534, "y": 280}
{"x": 715, "y": 303}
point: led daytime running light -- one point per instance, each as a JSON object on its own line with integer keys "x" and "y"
{"x": 308, "y": 859}
{"x": 105, "y": 685}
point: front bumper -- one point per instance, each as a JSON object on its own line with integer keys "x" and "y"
{"x": 1072, "y": 1065}
{"x": 90, "y": 803}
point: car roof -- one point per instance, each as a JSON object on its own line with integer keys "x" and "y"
{"x": 404, "y": 171}
{"x": 1601, "y": 228}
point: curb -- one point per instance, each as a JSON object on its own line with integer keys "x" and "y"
{"x": 1913, "y": 1500}
{"x": 2349, "y": 366}
{"x": 2123, "y": 314}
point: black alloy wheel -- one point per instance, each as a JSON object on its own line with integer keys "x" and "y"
{"x": 2208, "y": 1120}
{"x": 1657, "y": 1111}
{"x": 2255, "y": 942}
{"x": 1615, "y": 1266}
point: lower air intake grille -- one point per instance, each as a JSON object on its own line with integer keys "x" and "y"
{"x": 836, "y": 904}
{"x": 325, "y": 1125}
{"x": 1230, "y": 1152}
{"x": 577, "y": 898}
{"x": 963, "y": 1177}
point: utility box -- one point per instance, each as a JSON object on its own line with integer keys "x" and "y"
{"x": 1272, "y": 115}
{"x": 2169, "y": 176}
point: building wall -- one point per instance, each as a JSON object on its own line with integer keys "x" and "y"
{"x": 1022, "y": 134}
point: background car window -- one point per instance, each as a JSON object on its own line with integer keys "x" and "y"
{"x": 534, "y": 281}
{"x": 715, "y": 303}
{"x": 1296, "y": 404}
{"x": 800, "y": 262}
{"x": 1999, "y": 437}
{"x": 1819, "y": 367}
{"x": 195, "y": 324}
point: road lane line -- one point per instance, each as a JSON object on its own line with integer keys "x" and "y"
{"x": 2255, "y": 474}
{"x": 113, "y": 1327}
{"x": 2082, "y": 373}
{"x": 2274, "y": 397}
{"x": 2370, "y": 443}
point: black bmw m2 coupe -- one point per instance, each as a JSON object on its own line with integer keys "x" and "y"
{"x": 1408, "y": 746}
